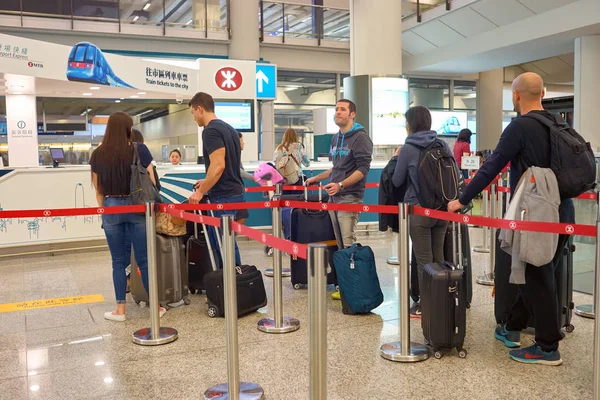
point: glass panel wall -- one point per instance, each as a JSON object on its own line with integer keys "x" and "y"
{"x": 94, "y": 10}
{"x": 465, "y": 95}
{"x": 50, "y": 7}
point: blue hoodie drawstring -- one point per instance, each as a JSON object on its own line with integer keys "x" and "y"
{"x": 343, "y": 136}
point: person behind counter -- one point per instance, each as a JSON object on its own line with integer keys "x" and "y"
{"x": 462, "y": 147}
{"x": 111, "y": 175}
{"x": 175, "y": 157}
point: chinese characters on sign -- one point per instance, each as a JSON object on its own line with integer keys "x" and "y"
{"x": 170, "y": 78}
{"x": 22, "y": 132}
{"x": 470, "y": 162}
{"x": 10, "y": 51}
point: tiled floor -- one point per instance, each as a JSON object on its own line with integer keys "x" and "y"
{"x": 73, "y": 353}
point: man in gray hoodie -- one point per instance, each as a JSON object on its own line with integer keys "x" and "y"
{"x": 351, "y": 150}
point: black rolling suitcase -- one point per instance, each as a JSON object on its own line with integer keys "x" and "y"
{"x": 200, "y": 259}
{"x": 451, "y": 256}
{"x": 505, "y": 293}
{"x": 443, "y": 307}
{"x": 251, "y": 294}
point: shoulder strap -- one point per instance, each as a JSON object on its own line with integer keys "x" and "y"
{"x": 136, "y": 154}
{"x": 545, "y": 121}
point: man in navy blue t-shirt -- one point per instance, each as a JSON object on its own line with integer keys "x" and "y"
{"x": 526, "y": 142}
{"x": 222, "y": 158}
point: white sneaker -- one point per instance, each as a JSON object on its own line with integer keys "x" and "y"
{"x": 114, "y": 317}
{"x": 162, "y": 311}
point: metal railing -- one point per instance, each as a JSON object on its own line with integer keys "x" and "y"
{"x": 198, "y": 15}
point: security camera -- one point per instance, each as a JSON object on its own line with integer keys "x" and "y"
{"x": 179, "y": 100}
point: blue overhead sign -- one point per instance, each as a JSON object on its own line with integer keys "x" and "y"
{"x": 266, "y": 81}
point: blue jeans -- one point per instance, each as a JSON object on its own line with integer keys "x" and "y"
{"x": 212, "y": 231}
{"x": 121, "y": 231}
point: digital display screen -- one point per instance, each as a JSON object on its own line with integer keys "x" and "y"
{"x": 240, "y": 115}
{"x": 389, "y": 102}
{"x": 3, "y": 128}
{"x": 448, "y": 122}
{"x": 57, "y": 153}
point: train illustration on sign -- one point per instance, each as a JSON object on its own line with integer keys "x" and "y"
{"x": 88, "y": 64}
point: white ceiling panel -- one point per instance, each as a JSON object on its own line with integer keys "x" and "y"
{"x": 541, "y": 6}
{"x": 568, "y": 58}
{"x": 437, "y": 33}
{"x": 467, "y": 22}
{"x": 531, "y": 67}
{"x": 502, "y": 14}
{"x": 552, "y": 65}
{"x": 415, "y": 44}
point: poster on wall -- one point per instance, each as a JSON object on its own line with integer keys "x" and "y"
{"x": 389, "y": 102}
{"x": 85, "y": 62}
{"x": 448, "y": 122}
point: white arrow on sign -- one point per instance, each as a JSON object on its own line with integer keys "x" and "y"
{"x": 262, "y": 79}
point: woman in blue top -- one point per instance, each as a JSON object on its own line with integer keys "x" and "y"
{"x": 111, "y": 176}
{"x": 427, "y": 234}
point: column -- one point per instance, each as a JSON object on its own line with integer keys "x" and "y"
{"x": 244, "y": 43}
{"x": 267, "y": 119}
{"x": 21, "y": 118}
{"x": 489, "y": 108}
{"x": 375, "y": 37}
{"x": 587, "y": 97}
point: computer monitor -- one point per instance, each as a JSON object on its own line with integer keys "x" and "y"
{"x": 58, "y": 156}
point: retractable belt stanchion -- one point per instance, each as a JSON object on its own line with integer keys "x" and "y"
{"x": 285, "y": 272}
{"x": 278, "y": 324}
{"x": 155, "y": 335}
{"x": 588, "y": 310}
{"x": 486, "y": 201}
{"x": 487, "y": 279}
{"x": 233, "y": 389}
{"x": 317, "y": 309}
{"x": 404, "y": 350}
{"x": 597, "y": 306}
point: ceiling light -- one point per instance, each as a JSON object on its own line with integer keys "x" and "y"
{"x": 136, "y": 18}
{"x": 189, "y": 22}
{"x": 17, "y": 86}
{"x": 34, "y": 388}
{"x": 99, "y": 363}
{"x": 87, "y": 94}
{"x": 121, "y": 98}
{"x": 134, "y": 97}
{"x": 17, "y": 92}
{"x": 32, "y": 373}
{"x": 108, "y": 380}
{"x": 117, "y": 101}
{"x": 144, "y": 112}
{"x": 147, "y": 6}
{"x": 85, "y": 112}
{"x": 141, "y": 92}
{"x": 95, "y": 88}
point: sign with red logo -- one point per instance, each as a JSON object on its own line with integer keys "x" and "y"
{"x": 228, "y": 79}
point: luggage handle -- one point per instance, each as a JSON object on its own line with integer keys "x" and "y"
{"x": 306, "y": 191}
{"x": 457, "y": 245}
{"x": 209, "y": 244}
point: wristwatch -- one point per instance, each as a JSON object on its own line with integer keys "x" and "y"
{"x": 341, "y": 186}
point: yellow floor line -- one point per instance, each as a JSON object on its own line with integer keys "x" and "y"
{"x": 48, "y": 303}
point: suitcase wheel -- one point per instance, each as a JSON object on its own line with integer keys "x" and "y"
{"x": 569, "y": 328}
{"x": 213, "y": 311}
{"x": 468, "y": 305}
{"x": 186, "y": 301}
{"x": 297, "y": 286}
{"x": 438, "y": 354}
{"x": 193, "y": 290}
{"x": 462, "y": 353}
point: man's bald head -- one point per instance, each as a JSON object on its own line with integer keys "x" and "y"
{"x": 529, "y": 85}
{"x": 528, "y": 91}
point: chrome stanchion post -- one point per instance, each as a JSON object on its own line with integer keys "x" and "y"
{"x": 597, "y": 307}
{"x": 285, "y": 272}
{"x": 487, "y": 279}
{"x": 233, "y": 389}
{"x": 588, "y": 310}
{"x": 279, "y": 324}
{"x": 404, "y": 350}
{"x": 484, "y": 248}
{"x": 155, "y": 335}
{"x": 317, "y": 309}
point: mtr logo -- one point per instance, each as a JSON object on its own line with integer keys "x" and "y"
{"x": 35, "y": 64}
{"x": 228, "y": 79}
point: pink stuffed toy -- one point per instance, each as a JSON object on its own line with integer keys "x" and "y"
{"x": 267, "y": 172}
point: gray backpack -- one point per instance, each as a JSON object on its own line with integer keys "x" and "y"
{"x": 142, "y": 190}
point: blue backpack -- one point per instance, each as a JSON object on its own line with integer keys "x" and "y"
{"x": 357, "y": 278}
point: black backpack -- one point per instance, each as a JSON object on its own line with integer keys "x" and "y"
{"x": 438, "y": 178}
{"x": 571, "y": 157}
